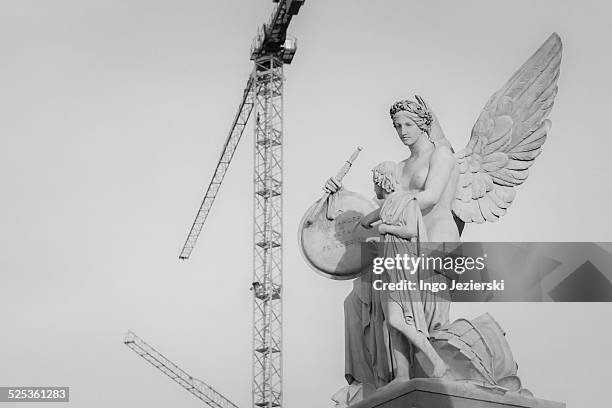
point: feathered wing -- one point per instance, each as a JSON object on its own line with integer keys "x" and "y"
{"x": 507, "y": 137}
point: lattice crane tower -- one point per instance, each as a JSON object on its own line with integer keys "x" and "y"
{"x": 270, "y": 51}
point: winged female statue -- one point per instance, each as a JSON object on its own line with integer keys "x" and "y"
{"x": 440, "y": 190}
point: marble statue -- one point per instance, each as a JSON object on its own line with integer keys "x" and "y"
{"x": 429, "y": 197}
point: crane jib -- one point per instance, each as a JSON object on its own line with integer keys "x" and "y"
{"x": 240, "y": 121}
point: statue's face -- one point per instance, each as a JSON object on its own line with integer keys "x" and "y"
{"x": 408, "y": 132}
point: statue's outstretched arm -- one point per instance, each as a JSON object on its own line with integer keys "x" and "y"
{"x": 370, "y": 218}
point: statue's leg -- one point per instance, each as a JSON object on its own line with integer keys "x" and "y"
{"x": 397, "y": 321}
{"x": 357, "y": 360}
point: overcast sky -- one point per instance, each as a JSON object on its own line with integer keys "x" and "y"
{"x": 112, "y": 117}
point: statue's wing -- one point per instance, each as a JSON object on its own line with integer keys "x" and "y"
{"x": 507, "y": 137}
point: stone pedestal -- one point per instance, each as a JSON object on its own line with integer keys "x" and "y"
{"x": 430, "y": 393}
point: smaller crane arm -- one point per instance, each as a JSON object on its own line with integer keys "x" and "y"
{"x": 197, "y": 387}
{"x": 238, "y": 125}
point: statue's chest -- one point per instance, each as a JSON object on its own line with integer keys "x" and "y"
{"x": 414, "y": 176}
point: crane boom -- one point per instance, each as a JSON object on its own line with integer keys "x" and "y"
{"x": 240, "y": 121}
{"x": 197, "y": 387}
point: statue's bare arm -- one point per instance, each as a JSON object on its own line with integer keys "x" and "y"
{"x": 370, "y": 218}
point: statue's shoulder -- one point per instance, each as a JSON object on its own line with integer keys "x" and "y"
{"x": 442, "y": 154}
{"x": 401, "y": 164}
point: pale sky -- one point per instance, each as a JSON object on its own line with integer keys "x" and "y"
{"x": 113, "y": 114}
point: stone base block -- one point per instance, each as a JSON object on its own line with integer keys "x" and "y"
{"x": 432, "y": 393}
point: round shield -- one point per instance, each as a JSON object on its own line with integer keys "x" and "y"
{"x": 336, "y": 248}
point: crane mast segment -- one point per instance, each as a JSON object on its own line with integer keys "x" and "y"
{"x": 267, "y": 234}
{"x": 197, "y": 387}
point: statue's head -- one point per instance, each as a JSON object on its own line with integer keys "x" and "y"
{"x": 386, "y": 178}
{"x": 411, "y": 119}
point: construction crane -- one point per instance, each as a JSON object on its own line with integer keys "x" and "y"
{"x": 197, "y": 387}
{"x": 271, "y": 49}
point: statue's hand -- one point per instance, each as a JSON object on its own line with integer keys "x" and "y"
{"x": 333, "y": 185}
{"x": 365, "y": 223}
